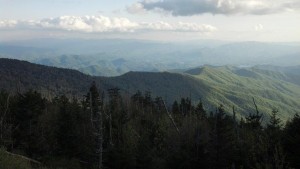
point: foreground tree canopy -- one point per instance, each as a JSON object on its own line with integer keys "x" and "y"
{"x": 106, "y": 130}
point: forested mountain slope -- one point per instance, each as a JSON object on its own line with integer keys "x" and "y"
{"x": 238, "y": 86}
{"x": 22, "y": 75}
{"x": 226, "y": 85}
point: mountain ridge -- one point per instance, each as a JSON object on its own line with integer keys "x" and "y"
{"x": 214, "y": 86}
{"x": 117, "y": 56}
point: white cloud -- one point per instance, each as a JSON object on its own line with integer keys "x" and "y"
{"x": 226, "y": 7}
{"x": 8, "y": 23}
{"x": 136, "y": 8}
{"x": 258, "y": 27}
{"x": 179, "y": 27}
{"x": 89, "y": 24}
{"x": 98, "y": 24}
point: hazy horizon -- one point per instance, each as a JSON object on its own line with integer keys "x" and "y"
{"x": 165, "y": 20}
{"x": 4, "y": 41}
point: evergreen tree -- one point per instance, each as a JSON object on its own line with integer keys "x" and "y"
{"x": 221, "y": 141}
{"x": 96, "y": 116}
{"x": 63, "y": 133}
{"x": 6, "y": 100}
{"x": 26, "y": 111}
{"x": 275, "y": 156}
{"x": 199, "y": 110}
{"x": 291, "y": 140}
{"x": 175, "y": 108}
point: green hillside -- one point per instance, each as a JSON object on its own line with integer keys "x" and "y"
{"x": 237, "y": 86}
{"x": 226, "y": 85}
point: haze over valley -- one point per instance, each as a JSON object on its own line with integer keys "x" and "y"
{"x": 113, "y": 57}
{"x": 149, "y": 84}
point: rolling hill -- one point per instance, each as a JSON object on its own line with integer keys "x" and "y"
{"x": 113, "y": 57}
{"x": 237, "y": 86}
{"x": 228, "y": 85}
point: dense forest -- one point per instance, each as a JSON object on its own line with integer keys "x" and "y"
{"x": 107, "y": 130}
{"x": 149, "y": 84}
{"x": 272, "y": 87}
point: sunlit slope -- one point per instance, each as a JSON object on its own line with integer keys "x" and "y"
{"x": 236, "y": 87}
{"x": 227, "y": 85}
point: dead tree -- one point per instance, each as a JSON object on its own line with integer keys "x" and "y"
{"x": 171, "y": 118}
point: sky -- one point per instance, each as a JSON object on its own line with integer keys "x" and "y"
{"x": 163, "y": 20}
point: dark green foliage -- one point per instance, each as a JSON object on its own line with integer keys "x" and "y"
{"x": 226, "y": 85}
{"x": 6, "y": 101}
{"x": 73, "y": 130}
{"x": 94, "y": 108}
{"x": 26, "y": 113}
{"x": 199, "y": 110}
{"x": 175, "y": 108}
{"x": 276, "y": 156}
{"x": 141, "y": 132}
{"x": 291, "y": 140}
{"x": 221, "y": 140}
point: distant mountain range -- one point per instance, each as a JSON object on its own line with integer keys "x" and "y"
{"x": 272, "y": 87}
{"x": 113, "y": 57}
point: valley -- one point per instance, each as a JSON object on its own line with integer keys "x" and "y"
{"x": 271, "y": 87}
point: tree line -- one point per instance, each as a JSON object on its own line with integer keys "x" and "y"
{"x": 106, "y": 130}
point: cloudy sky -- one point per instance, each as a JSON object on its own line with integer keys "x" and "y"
{"x": 167, "y": 20}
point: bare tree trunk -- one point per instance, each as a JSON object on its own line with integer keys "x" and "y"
{"x": 235, "y": 124}
{"x": 100, "y": 139}
{"x": 100, "y": 131}
{"x": 256, "y": 108}
{"x": 23, "y": 157}
{"x": 171, "y": 118}
{"x": 110, "y": 130}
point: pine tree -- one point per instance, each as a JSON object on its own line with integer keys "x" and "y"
{"x": 199, "y": 110}
{"x": 175, "y": 108}
{"x": 291, "y": 140}
{"x": 5, "y": 118}
{"x": 26, "y": 111}
{"x": 275, "y": 156}
{"x": 96, "y": 112}
{"x": 221, "y": 140}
